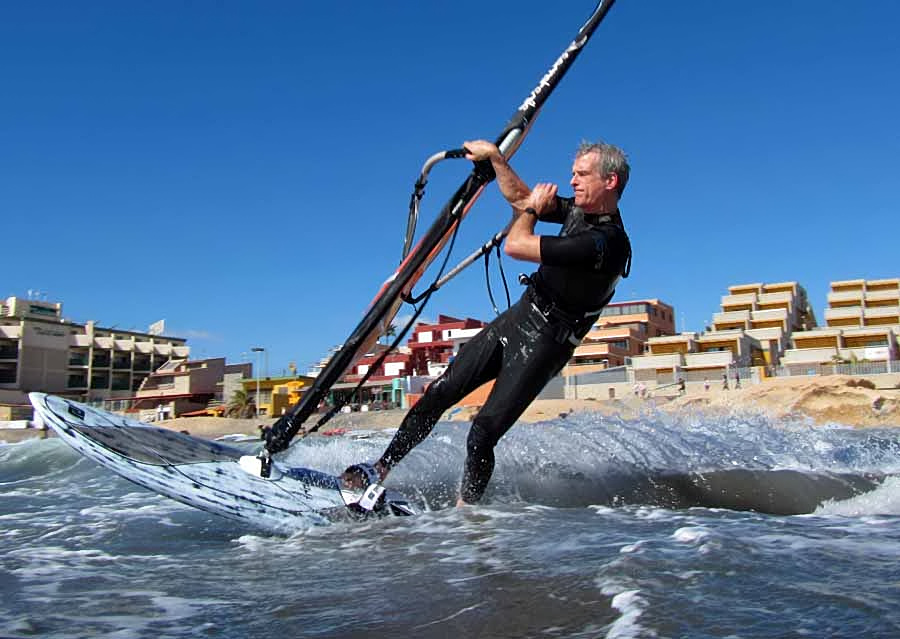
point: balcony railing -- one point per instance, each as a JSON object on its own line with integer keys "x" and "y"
{"x": 742, "y": 299}
{"x": 597, "y": 348}
{"x": 775, "y": 298}
{"x": 845, "y": 297}
{"x": 657, "y": 361}
{"x": 867, "y": 368}
{"x": 731, "y": 317}
{"x": 809, "y": 355}
{"x": 711, "y": 359}
{"x": 892, "y": 312}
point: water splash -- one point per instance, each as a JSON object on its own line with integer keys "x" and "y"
{"x": 737, "y": 461}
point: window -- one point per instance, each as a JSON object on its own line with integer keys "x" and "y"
{"x": 627, "y": 309}
{"x": 77, "y": 380}
{"x": 9, "y": 349}
{"x": 8, "y": 372}
{"x": 78, "y": 358}
{"x": 34, "y": 309}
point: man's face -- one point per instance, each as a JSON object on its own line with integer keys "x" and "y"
{"x": 591, "y": 188}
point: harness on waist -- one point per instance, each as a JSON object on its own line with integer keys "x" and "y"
{"x": 569, "y": 327}
{"x": 572, "y": 326}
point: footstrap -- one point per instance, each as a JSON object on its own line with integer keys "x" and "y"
{"x": 372, "y": 492}
{"x": 370, "y": 497}
{"x": 368, "y": 470}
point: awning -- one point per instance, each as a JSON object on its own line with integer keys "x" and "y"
{"x": 368, "y": 384}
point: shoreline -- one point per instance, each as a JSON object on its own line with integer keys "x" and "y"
{"x": 831, "y": 399}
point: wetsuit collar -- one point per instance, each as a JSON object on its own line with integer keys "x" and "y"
{"x": 602, "y": 218}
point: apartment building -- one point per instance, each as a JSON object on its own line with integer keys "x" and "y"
{"x": 769, "y": 313}
{"x": 620, "y": 333}
{"x": 432, "y": 345}
{"x": 383, "y": 386}
{"x": 42, "y": 351}
{"x": 752, "y": 329}
{"x": 181, "y": 387}
{"x": 858, "y": 303}
{"x": 863, "y": 325}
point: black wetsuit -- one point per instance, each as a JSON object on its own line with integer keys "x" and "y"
{"x": 524, "y": 347}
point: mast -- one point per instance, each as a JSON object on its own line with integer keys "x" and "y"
{"x": 389, "y": 299}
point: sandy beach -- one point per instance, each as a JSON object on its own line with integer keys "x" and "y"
{"x": 830, "y": 399}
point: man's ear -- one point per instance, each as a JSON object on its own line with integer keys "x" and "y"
{"x": 612, "y": 182}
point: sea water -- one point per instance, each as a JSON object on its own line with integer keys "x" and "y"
{"x": 662, "y": 526}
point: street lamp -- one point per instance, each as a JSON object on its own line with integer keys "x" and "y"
{"x": 258, "y": 350}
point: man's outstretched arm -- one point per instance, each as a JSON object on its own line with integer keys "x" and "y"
{"x": 511, "y": 185}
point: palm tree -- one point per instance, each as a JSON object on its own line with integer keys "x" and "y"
{"x": 241, "y": 405}
{"x": 390, "y": 332}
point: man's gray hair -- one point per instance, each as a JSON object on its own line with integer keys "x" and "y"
{"x": 610, "y": 159}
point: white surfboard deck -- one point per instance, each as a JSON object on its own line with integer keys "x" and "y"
{"x": 197, "y": 472}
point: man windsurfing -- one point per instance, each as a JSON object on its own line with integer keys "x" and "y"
{"x": 527, "y": 345}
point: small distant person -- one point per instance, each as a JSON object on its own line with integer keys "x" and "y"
{"x": 706, "y": 384}
{"x": 681, "y": 386}
{"x": 737, "y": 379}
{"x": 525, "y": 346}
{"x": 724, "y": 381}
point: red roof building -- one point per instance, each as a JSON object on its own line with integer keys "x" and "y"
{"x": 433, "y": 343}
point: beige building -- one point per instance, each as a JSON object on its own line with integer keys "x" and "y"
{"x": 182, "y": 386}
{"x": 863, "y": 325}
{"x": 769, "y": 313}
{"x": 769, "y": 329}
{"x": 750, "y": 333}
{"x": 42, "y": 351}
{"x": 745, "y": 339}
{"x": 620, "y": 333}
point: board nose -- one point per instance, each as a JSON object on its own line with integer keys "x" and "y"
{"x": 36, "y": 398}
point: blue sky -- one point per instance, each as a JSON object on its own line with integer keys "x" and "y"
{"x": 243, "y": 169}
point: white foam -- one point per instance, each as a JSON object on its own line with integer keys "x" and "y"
{"x": 630, "y": 548}
{"x": 690, "y": 534}
{"x": 632, "y": 606}
{"x": 884, "y": 500}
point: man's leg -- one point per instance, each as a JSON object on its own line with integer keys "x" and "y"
{"x": 527, "y": 367}
{"x": 477, "y": 362}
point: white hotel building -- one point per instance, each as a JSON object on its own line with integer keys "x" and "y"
{"x": 42, "y": 351}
